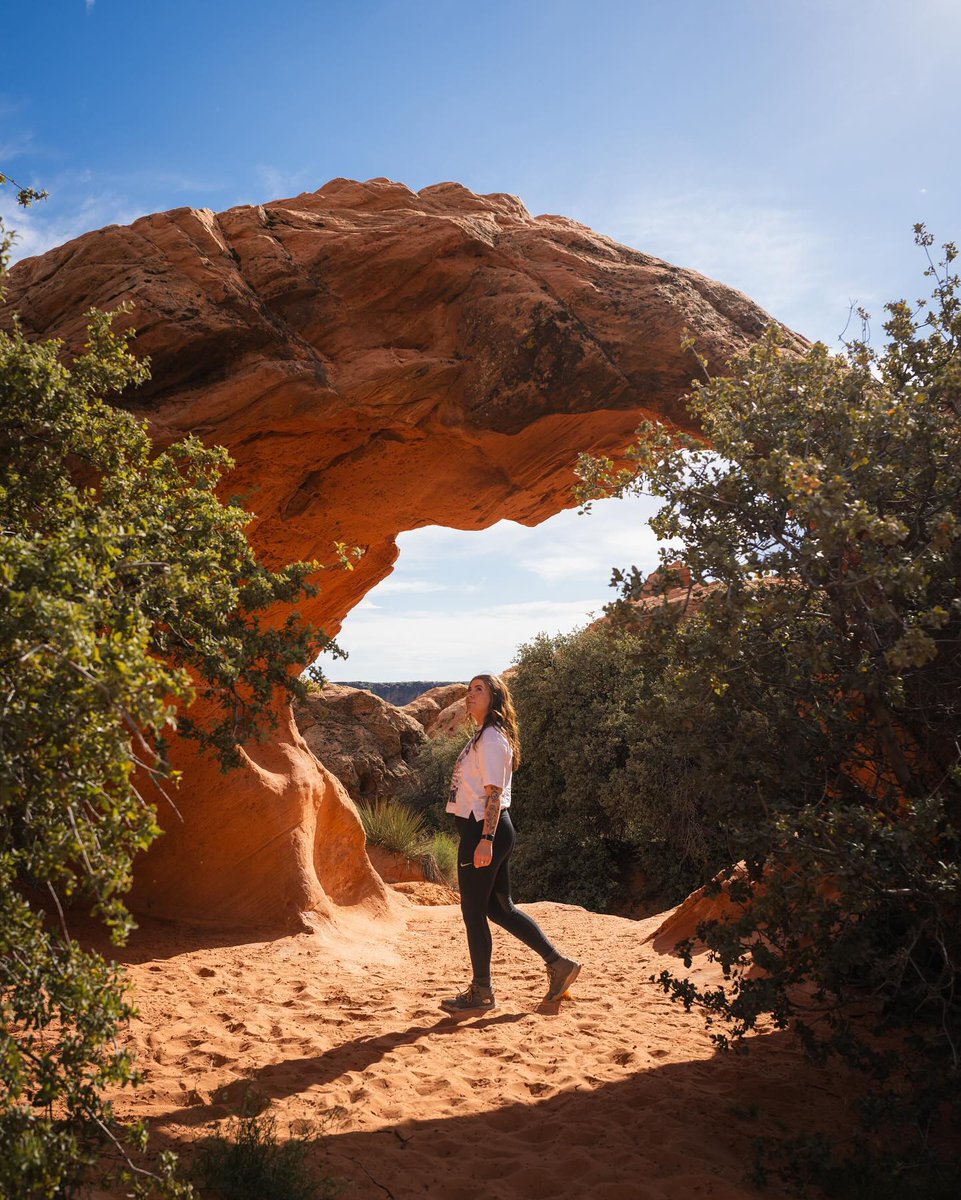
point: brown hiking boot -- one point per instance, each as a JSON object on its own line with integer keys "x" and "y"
{"x": 561, "y": 974}
{"x": 475, "y": 999}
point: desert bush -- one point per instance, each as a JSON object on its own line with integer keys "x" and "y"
{"x": 400, "y": 830}
{"x": 428, "y": 786}
{"x": 442, "y": 850}
{"x": 394, "y": 827}
{"x": 812, "y": 696}
{"x": 127, "y": 588}
{"x": 594, "y": 798}
{"x": 250, "y": 1163}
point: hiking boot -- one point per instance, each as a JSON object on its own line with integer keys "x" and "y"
{"x": 561, "y": 974}
{"x": 475, "y": 999}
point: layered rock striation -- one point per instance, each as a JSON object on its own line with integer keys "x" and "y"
{"x": 376, "y": 360}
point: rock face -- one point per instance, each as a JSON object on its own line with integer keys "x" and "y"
{"x": 364, "y": 740}
{"x": 395, "y": 868}
{"x": 450, "y": 720}
{"x": 705, "y": 904}
{"x": 376, "y": 360}
{"x": 429, "y": 709}
{"x": 276, "y": 843}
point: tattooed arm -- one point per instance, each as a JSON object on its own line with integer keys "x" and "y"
{"x": 492, "y": 808}
{"x": 492, "y": 814}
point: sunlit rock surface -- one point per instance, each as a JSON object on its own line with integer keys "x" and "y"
{"x": 376, "y": 360}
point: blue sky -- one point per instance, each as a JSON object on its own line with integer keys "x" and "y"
{"x": 785, "y": 148}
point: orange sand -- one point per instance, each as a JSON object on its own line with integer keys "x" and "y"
{"x": 613, "y": 1094}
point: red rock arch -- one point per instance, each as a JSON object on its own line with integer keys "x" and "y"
{"x": 376, "y": 360}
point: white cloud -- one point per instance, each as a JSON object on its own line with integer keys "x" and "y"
{"x": 16, "y": 146}
{"x": 567, "y": 546}
{"x": 490, "y": 591}
{"x": 451, "y": 645}
{"x": 398, "y": 586}
{"x": 586, "y": 547}
{"x": 278, "y": 183}
{"x": 42, "y": 226}
{"x": 419, "y": 546}
{"x": 769, "y": 250}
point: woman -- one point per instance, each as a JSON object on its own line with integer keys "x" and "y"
{"x": 480, "y": 796}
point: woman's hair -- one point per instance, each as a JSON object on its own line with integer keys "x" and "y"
{"x": 501, "y": 714}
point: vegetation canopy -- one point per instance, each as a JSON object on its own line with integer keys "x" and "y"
{"x": 608, "y": 821}
{"x": 808, "y": 688}
{"x": 128, "y": 589}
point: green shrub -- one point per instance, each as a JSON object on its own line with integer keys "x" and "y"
{"x": 127, "y": 588}
{"x": 812, "y": 697}
{"x": 429, "y": 784}
{"x": 252, "y": 1164}
{"x": 393, "y": 827}
{"x": 593, "y": 800}
{"x": 813, "y": 1162}
{"x": 442, "y": 851}
{"x": 398, "y": 829}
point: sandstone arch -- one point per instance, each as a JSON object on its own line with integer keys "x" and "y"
{"x": 375, "y": 359}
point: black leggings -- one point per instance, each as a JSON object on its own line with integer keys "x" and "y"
{"x": 485, "y": 895}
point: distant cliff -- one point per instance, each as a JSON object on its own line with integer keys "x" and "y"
{"x": 397, "y": 693}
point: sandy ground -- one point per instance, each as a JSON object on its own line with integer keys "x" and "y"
{"x": 615, "y": 1093}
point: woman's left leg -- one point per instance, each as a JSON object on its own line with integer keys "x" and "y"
{"x": 501, "y": 908}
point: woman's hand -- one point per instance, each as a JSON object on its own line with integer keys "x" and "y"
{"x": 483, "y": 853}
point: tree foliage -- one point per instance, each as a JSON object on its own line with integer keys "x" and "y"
{"x": 601, "y": 810}
{"x": 128, "y": 589}
{"x": 812, "y": 685}
{"x": 428, "y": 785}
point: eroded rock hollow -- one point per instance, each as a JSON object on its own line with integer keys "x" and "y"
{"x": 376, "y": 360}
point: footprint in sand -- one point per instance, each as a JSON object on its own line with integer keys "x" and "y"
{"x": 539, "y": 1089}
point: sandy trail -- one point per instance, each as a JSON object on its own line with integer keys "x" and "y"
{"x": 615, "y": 1093}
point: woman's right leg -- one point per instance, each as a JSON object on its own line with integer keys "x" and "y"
{"x": 475, "y": 889}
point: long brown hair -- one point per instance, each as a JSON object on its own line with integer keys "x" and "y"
{"x": 501, "y": 714}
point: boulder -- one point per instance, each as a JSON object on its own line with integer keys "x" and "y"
{"x": 427, "y": 708}
{"x": 364, "y": 740}
{"x": 717, "y": 901}
{"x": 376, "y": 360}
{"x": 450, "y": 720}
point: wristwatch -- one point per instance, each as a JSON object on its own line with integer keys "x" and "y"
{"x": 487, "y": 837}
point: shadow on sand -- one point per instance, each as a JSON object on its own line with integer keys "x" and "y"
{"x": 680, "y": 1131}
